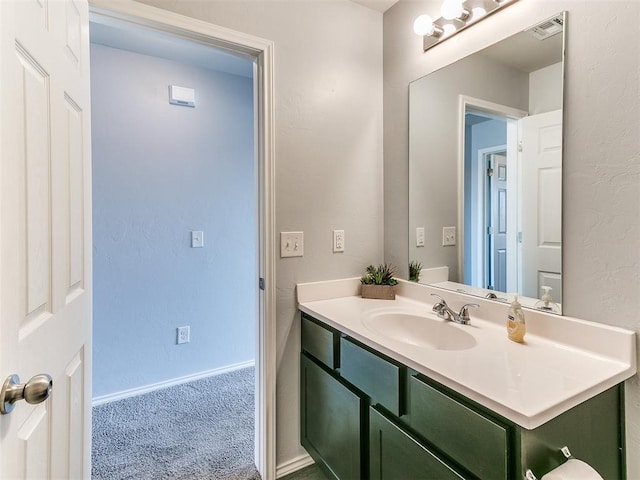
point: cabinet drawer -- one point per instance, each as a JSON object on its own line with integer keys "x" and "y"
{"x": 396, "y": 455}
{"x": 474, "y": 441}
{"x": 320, "y": 341}
{"x": 376, "y": 376}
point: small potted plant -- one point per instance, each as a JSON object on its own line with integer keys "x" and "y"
{"x": 414, "y": 270}
{"x": 378, "y": 282}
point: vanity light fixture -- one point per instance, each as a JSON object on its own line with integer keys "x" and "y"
{"x": 454, "y": 9}
{"x": 456, "y": 15}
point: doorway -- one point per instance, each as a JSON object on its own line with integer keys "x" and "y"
{"x": 489, "y": 189}
{"x": 260, "y": 54}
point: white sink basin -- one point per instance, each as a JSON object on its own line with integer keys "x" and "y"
{"x": 419, "y": 329}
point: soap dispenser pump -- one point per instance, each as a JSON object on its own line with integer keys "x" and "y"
{"x": 516, "y": 327}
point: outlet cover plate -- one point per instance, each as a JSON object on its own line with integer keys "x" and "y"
{"x": 183, "y": 335}
{"x": 338, "y": 241}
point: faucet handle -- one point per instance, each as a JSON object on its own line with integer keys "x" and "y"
{"x": 442, "y": 300}
{"x": 464, "y": 311}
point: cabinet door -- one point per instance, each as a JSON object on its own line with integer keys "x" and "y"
{"x": 394, "y": 455}
{"x": 330, "y": 422}
{"x": 474, "y": 441}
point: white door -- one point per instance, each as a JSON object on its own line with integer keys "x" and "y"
{"x": 45, "y": 235}
{"x": 497, "y": 217}
{"x": 542, "y": 203}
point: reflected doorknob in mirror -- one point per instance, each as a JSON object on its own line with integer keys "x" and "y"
{"x": 36, "y": 390}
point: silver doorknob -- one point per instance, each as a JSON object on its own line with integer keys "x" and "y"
{"x": 36, "y": 390}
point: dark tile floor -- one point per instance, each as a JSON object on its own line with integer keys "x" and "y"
{"x": 312, "y": 472}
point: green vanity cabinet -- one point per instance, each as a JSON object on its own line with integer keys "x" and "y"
{"x": 331, "y": 422}
{"x": 593, "y": 431}
{"x": 478, "y": 442}
{"x": 366, "y": 416}
{"x": 320, "y": 341}
{"x": 394, "y": 454}
{"x": 375, "y": 374}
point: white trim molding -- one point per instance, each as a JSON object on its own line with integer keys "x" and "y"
{"x": 293, "y": 465}
{"x": 134, "y": 392}
{"x": 262, "y": 52}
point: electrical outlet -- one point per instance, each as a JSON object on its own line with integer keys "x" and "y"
{"x": 420, "y": 237}
{"x": 448, "y": 236}
{"x": 184, "y": 334}
{"x": 291, "y": 244}
{"x": 338, "y": 240}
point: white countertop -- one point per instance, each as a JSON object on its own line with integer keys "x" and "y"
{"x": 563, "y": 362}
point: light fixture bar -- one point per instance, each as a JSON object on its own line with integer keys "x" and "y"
{"x": 474, "y": 12}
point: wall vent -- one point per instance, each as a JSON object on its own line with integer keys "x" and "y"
{"x": 547, "y": 29}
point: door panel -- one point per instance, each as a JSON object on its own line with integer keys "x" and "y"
{"x": 497, "y": 274}
{"x": 541, "y": 201}
{"x": 45, "y": 227}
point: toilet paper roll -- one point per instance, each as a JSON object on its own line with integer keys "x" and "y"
{"x": 573, "y": 469}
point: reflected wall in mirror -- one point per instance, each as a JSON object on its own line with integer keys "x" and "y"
{"x": 485, "y": 170}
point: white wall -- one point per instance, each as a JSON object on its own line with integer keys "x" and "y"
{"x": 433, "y": 146}
{"x": 328, "y": 120}
{"x": 160, "y": 171}
{"x": 601, "y": 186}
{"x": 545, "y": 89}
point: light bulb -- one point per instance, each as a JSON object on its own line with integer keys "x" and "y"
{"x": 478, "y": 13}
{"x": 423, "y": 25}
{"x": 449, "y": 29}
{"x": 453, "y": 9}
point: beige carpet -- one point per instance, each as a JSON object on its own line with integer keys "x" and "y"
{"x": 198, "y": 430}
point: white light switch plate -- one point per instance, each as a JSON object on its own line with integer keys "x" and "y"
{"x": 420, "y": 237}
{"x": 197, "y": 239}
{"x": 448, "y": 236}
{"x": 291, "y": 244}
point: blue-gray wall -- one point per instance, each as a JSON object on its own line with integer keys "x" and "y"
{"x": 491, "y": 133}
{"x": 160, "y": 171}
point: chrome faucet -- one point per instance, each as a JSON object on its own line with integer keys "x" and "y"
{"x": 443, "y": 311}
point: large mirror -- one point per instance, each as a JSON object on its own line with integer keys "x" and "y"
{"x": 485, "y": 170}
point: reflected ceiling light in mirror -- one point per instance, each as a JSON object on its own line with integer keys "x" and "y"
{"x": 456, "y": 15}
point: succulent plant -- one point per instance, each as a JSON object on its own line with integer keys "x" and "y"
{"x": 414, "y": 270}
{"x": 380, "y": 275}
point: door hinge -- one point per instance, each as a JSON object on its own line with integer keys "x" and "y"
{"x": 520, "y": 146}
{"x": 261, "y": 283}
{"x": 489, "y": 172}
{"x": 489, "y": 230}
{"x": 519, "y": 237}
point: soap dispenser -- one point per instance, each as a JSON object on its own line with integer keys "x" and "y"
{"x": 516, "y": 327}
{"x": 545, "y": 303}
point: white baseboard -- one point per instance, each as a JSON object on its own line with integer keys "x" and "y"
{"x": 112, "y": 397}
{"x": 293, "y": 465}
